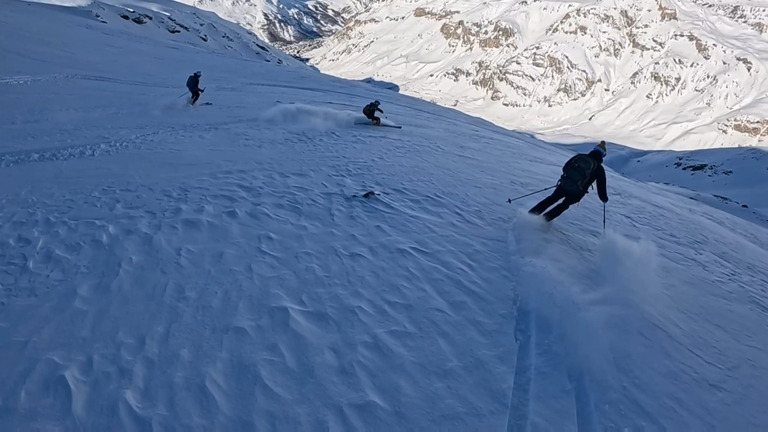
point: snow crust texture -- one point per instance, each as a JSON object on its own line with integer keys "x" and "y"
{"x": 271, "y": 262}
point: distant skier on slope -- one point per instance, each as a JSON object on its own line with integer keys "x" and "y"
{"x": 370, "y": 112}
{"x": 193, "y": 84}
{"x": 578, "y": 174}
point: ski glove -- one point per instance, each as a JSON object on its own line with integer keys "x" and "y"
{"x": 604, "y": 200}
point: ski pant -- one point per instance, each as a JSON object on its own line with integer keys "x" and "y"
{"x": 557, "y": 210}
{"x": 375, "y": 119}
{"x": 195, "y": 96}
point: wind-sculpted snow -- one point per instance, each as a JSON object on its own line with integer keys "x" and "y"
{"x": 264, "y": 263}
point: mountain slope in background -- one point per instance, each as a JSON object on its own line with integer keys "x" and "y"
{"x": 285, "y": 20}
{"x": 180, "y": 26}
{"x": 267, "y": 263}
{"x": 647, "y": 73}
{"x": 727, "y": 179}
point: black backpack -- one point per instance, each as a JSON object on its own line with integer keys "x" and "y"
{"x": 193, "y": 82}
{"x": 577, "y": 174}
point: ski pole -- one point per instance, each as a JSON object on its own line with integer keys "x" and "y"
{"x": 509, "y": 200}
{"x": 603, "y": 218}
{"x": 181, "y": 95}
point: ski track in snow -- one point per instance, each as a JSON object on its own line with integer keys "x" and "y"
{"x": 81, "y": 151}
{"x": 165, "y": 267}
{"x": 21, "y": 80}
{"x": 564, "y": 328}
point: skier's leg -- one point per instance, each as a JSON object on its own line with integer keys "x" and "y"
{"x": 377, "y": 120}
{"x": 560, "y": 208}
{"x": 195, "y": 96}
{"x": 546, "y": 203}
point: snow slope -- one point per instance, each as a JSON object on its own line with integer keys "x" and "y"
{"x": 730, "y": 179}
{"x": 218, "y": 268}
{"x": 651, "y": 74}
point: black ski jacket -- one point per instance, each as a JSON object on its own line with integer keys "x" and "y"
{"x": 193, "y": 83}
{"x": 371, "y": 109}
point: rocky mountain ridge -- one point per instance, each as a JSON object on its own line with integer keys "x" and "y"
{"x": 677, "y": 74}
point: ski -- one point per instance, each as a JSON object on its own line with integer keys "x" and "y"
{"x": 381, "y": 125}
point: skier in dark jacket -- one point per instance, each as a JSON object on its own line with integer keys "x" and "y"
{"x": 193, "y": 84}
{"x": 370, "y": 112}
{"x": 578, "y": 174}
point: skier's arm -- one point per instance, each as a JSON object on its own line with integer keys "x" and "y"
{"x": 380, "y": 110}
{"x": 601, "y": 187}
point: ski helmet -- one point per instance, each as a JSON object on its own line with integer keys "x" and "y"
{"x": 198, "y": 73}
{"x": 377, "y": 103}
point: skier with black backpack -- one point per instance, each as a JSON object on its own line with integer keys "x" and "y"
{"x": 193, "y": 85}
{"x": 370, "y": 112}
{"x": 578, "y": 174}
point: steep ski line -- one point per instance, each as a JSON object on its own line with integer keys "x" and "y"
{"x": 520, "y": 396}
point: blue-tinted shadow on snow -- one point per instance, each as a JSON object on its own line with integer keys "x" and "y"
{"x": 306, "y": 61}
{"x": 386, "y": 85}
{"x": 729, "y": 179}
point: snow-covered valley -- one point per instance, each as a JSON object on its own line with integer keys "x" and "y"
{"x": 651, "y": 74}
{"x": 285, "y": 21}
